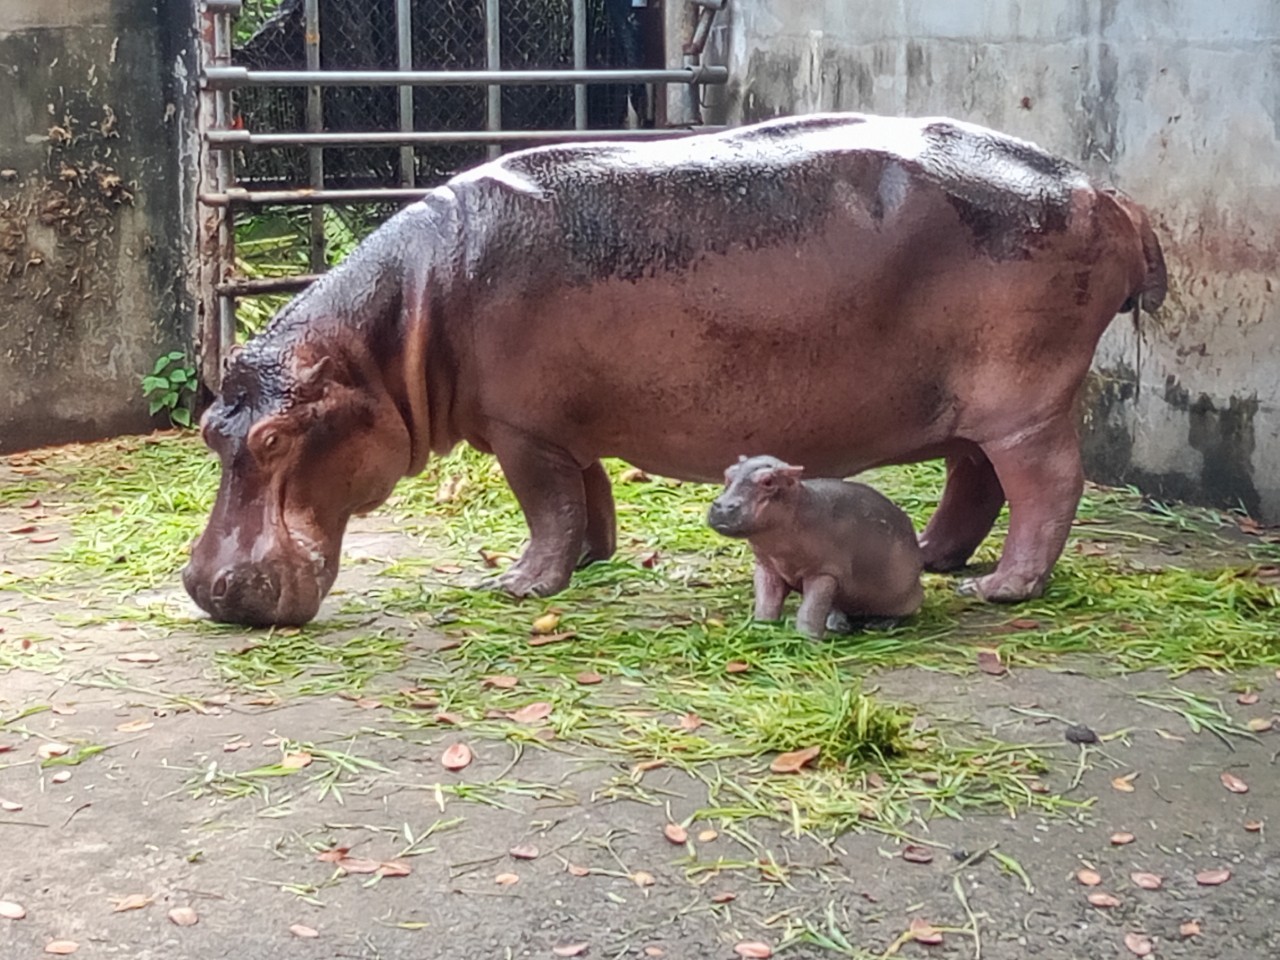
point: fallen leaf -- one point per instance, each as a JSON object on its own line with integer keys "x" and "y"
{"x": 1253, "y": 826}
{"x": 1100, "y": 898}
{"x": 690, "y": 722}
{"x": 1261, "y": 724}
{"x": 448, "y": 568}
{"x": 524, "y": 851}
{"x": 394, "y": 868}
{"x": 12, "y": 911}
{"x": 1248, "y": 698}
{"x": 794, "y": 760}
{"x": 1120, "y": 839}
{"x": 547, "y": 623}
{"x": 922, "y": 931}
{"x": 22, "y": 530}
{"x": 1037, "y": 786}
{"x": 633, "y": 475}
{"x": 43, "y": 538}
{"x": 542, "y": 641}
{"x": 531, "y": 713}
{"x": 989, "y": 662}
{"x": 706, "y": 836}
{"x": 139, "y": 657}
{"x": 61, "y": 947}
{"x": 642, "y": 878}
{"x": 456, "y": 756}
{"x": 1138, "y": 945}
{"x": 449, "y": 488}
{"x": 650, "y": 560}
{"x": 500, "y": 682}
{"x": 231, "y": 746}
{"x": 914, "y": 853}
{"x": 334, "y": 855}
{"x": 1213, "y": 878}
{"x": 183, "y": 917}
{"x": 61, "y": 776}
{"x": 753, "y": 950}
{"x": 506, "y": 879}
{"x": 736, "y": 666}
{"x": 444, "y": 716}
{"x": 134, "y": 726}
{"x": 1147, "y": 881}
{"x": 1189, "y": 928}
{"x": 358, "y": 865}
{"x": 1124, "y": 784}
{"x": 675, "y": 833}
{"x": 12, "y": 806}
{"x": 135, "y": 901}
{"x": 1024, "y": 623}
{"x": 296, "y": 760}
{"x": 305, "y": 932}
{"x": 652, "y": 951}
{"x": 570, "y": 949}
{"x": 1234, "y": 783}
{"x": 577, "y": 871}
{"x": 1091, "y": 549}
{"x": 367, "y": 703}
{"x": 588, "y": 679}
{"x": 47, "y": 751}
{"x": 1090, "y": 878}
{"x": 62, "y": 710}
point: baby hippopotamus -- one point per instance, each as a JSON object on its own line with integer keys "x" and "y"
{"x": 849, "y": 550}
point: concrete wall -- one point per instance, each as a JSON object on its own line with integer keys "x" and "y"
{"x": 1175, "y": 101}
{"x": 92, "y": 211}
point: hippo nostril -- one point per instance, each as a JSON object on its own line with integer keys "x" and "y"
{"x": 219, "y": 588}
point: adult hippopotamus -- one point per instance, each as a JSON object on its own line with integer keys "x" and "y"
{"x": 840, "y": 291}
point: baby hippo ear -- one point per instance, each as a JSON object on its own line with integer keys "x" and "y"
{"x": 789, "y": 475}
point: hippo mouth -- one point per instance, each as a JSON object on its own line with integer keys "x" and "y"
{"x": 726, "y": 519}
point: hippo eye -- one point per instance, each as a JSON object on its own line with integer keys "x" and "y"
{"x": 269, "y": 441}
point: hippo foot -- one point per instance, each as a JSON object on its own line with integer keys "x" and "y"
{"x": 523, "y": 582}
{"x": 838, "y": 622}
{"x": 998, "y": 588}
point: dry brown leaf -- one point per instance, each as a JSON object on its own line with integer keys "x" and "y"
{"x": 450, "y": 487}
{"x": 736, "y": 666}
{"x": 63, "y": 710}
{"x": 368, "y": 703}
{"x": 753, "y": 950}
{"x": 571, "y": 949}
{"x": 47, "y": 751}
{"x": 922, "y": 931}
{"x": 1124, "y": 784}
{"x": 547, "y": 623}
{"x": 524, "y": 851}
{"x": 1261, "y": 724}
{"x": 1147, "y": 881}
{"x": 1037, "y": 786}
{"x": 1234, "y": 783}
{"x": 62, "y": 776}
{"x": 543, "y": 640}
{"x": 394, "y": 868}
{"x": 1138, "y": 945}
{"x": 724, "y": 896}
{"x": 43, "y": 538}
{"x": 1091, "y": 549}
{"x": 652, "y": 951}
{"x": 1120, "y": 839}
{"x": 358, "y": 865}
{"x": 706, "y": 836}
{"x": 134, "y": 726}
{"x": 506, "y": 879}
{"x": 1248, "y": 698}
{"x": 1024, "y": 623}
{"x": 642, "y": 878}
{"x": 531, "y": 713}
{"x": 12, "y": 911}
{"x": 1090, "y": 878}
{"x": 499, "y": 681}
{"x": 989, "y": 662}
{"x": 456, "y": 756}
{"x": 139, "y": 657}
{"x": 183, "y": 917}
{"x": 61, "y": 947}
{"x": 445, "y": 716}
{"x": 690, "y": 722}
{"x": 675, "y": 833}
{"x": 334, "y": 855}
{"x": 1253, "y": 826}
{"x": 588, "y": 679}
{"x": 296, "y": 760}
{"x": 23, "y": 529}
{"x": 1189, "y": 928}
{"x": 914, "y": 853}
{"x": 794, "y": 760}
{"x": 1213, "y": 878}
{"x": 135, "y": 901}
{"x": 447, "y": 568}
{"x": 303, "y": 931}
{"x": 10, "y": 806}
{"x": 578, "y": 871}
{"x": 1100, "y": 898}
{"x": 633, "y": 475}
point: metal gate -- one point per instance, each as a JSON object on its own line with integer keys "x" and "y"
{"x": 380, "y": 100}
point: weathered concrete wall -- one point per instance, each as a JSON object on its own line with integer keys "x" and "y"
{"x": 1175, "y": 101}
{"x": 92, "y": 211}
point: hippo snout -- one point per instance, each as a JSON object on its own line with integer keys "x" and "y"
{"x": 256, "y": 595}
{"x": 726, "y": 516}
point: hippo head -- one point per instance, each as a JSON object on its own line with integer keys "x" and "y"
{"x": 305, "y": 443}
{"x": 752, "y": 485}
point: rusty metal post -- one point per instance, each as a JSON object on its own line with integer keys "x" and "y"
{"x": 493, "y": 49}
{"x": 404, "y": 42}
{"x": 315, "y": 124}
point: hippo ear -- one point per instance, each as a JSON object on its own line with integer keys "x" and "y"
{"x": 313, "y": 380}
{"x": 788, "y": 476}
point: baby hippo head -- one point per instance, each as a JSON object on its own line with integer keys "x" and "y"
{"x": 754, "y": 488}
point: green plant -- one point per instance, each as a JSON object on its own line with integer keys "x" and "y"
{"x": 170, "y": 386}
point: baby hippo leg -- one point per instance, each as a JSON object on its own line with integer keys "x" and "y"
{"x": 771, "y": 591}
{"x": 819, "y": 596}
{"x": 840, "y": 622}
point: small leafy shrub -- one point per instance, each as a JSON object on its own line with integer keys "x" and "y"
{"x": 170, "y": 386}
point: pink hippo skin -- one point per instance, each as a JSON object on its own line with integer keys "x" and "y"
{"x": 848, "y": 549}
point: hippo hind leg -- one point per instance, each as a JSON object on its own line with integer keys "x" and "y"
{"x": 1041, "y": 474}
{"x": 971, "y": 501}
{"x": 601, "y": 538}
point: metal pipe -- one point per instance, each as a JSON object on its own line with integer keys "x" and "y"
{"x": 238, "y": 195}
{"x": 231, "y": 7}
{"x": 404, "y": 40}
{"x": 580, "y": 63}
{"x": 249, "y": 288}
{"x": 239, "y": 139}
{"x": 315, "y": 124}
{"x": 221, "y": 77}
{"x": 711, "y": 4}
{"x": 222, "y": 114}
{"x": 493, "y": 59}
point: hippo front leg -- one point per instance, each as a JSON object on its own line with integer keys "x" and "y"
{"x": 819, "y": 599}
{"x": 771, "y": 592}
{"x": 549, "y": 486}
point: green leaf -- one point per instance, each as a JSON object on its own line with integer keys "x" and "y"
{"x": 154, "y": 407}
{"x": 177, "y": 356}
{"x": 181, "y": 416}
{"x": 161, "y": 363}
{"x": 152, "y": 384}
{"x": 178, "y": 376}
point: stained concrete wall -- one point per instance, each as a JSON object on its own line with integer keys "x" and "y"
{"x": 93, "y": 214}
{"x": 1176, "y": 102}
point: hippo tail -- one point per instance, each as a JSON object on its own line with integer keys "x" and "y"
{"x": 1150, "y": 293}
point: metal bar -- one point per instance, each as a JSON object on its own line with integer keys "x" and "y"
{"x": 242, "y": 77}
{"x": 315, "y": 124}
{"x": 404, "y": 39}
{"x": 493, "y": 60}
{"x": 231, "y": 7}
{"x": 237, "y": 196}
{"x": 238, "y": 139}
{"x": 580, "y": 63}
{"x": 240, "y": 287}
{"x": 226, "y": 255}
{"x": 711, "y": 4}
